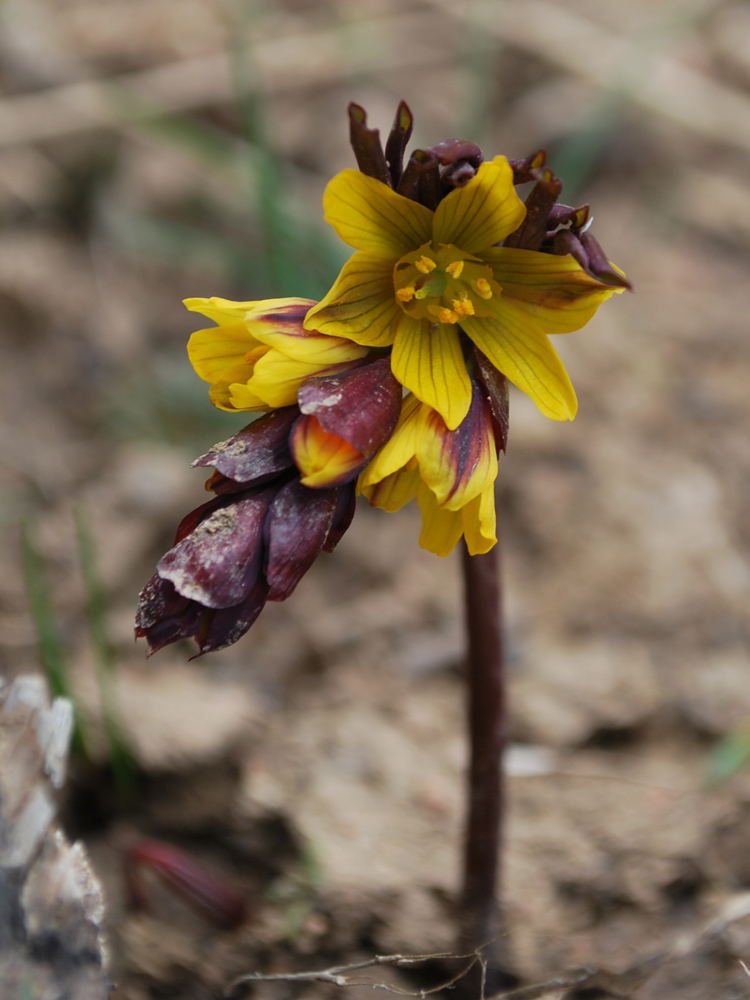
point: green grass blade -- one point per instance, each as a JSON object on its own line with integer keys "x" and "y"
{"x": 51, "y": 645}
{"x": 729, "y": 755}
{"x": 121, "y": 759}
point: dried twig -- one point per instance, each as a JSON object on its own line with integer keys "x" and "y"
{"x": 339, "y": 975}
{"x": 616, "y": 985}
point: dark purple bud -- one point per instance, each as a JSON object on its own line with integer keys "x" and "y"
{"x": 430, "y": 188}
{"x": 523, "y": 170}
{"x": 599, "y": 267}
{"x": 366, "y": 145}
{"x": 495, "y": 385}
{"x": 158, "y": 599}
{"x": 361, "y": 406}
{"x": 530, "y": 234}
{"x": 346, "y": 505}
{"x": 586, "y": 250}
{"x": 453, "y": 150}
{"x": 257, "y": 453}
{"x": 224, "y": 487}
{"x": 226, "y": 626}
{"x": 563, "y": 215}
{"x": 164, "y": 616}
{"x": 191, "y": 521}
{"x": 218, "y": 564}
{"x": 297, "y": 526}
{"x": 567, "y": 243}
{"x": 397, "y": 142}
{"x": 457, "y": 175}
{"x": 421, "y": 179}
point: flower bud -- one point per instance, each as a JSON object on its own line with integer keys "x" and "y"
{"x": 251, "y": 543}
{"x": 345, "y": 419}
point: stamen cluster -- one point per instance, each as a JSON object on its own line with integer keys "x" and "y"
{"x": 442, "y": 284}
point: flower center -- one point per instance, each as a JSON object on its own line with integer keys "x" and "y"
{"x": 442, "y": 284}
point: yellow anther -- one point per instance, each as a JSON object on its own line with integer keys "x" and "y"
{"x": 405, "y": 294}
{"x": 425, "y": 265}
{"x": 455, "y": 269}
{"x": 482, "y": 288}
{"x": 444, "y": 315}
{"x": 421, "y": 293}
{"x": 464, "y": 306}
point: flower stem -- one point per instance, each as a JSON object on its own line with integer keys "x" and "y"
{"x": 480, "y": 909}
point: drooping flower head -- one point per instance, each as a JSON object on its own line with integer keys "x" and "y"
{"x": 394, "y": 386}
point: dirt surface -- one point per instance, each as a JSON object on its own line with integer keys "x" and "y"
{"x": 317, "y": 765}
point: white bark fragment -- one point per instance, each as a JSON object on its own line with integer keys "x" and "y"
{"x": 51, "y": 903}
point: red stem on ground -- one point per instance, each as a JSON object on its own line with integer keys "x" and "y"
{"x": 219, "y": 902}
{"x": 480, "y": 909}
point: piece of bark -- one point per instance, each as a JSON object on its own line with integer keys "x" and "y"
{"x": 51, "y": 903}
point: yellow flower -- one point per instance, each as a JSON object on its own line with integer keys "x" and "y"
{"x": 259, "y": 354}
{"x": 451, "y": 472}
{"x": 419, "y": 278}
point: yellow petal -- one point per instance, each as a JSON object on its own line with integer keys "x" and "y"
{"x": 519, "y": 348}
{"x": 395, "y": 490}
{"x": 277, "y": 378}
{"x": 555, "y": 291}
{"x": 427, "y": 359}
{"x": 361, "y": 305}
{"x": 279, "y": 323}
{"x": 369, "y": 216}
{"x": 309, "y": 346}
{"x": 220, "y": 391}
{"x": 325, "y": 460}
{"x": 481, "y": 213}
{"x": 226, "y": 311}
{"x": 399, "y": 451}
{"x": 441, "y": 528}
{"x": 213, "y": 351}
{"x": 457, "y": 465}
{"x": 236, "y": 396}
{"x": 479, "y": 522}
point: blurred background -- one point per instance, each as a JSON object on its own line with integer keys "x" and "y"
{"x": 156, "y": 149}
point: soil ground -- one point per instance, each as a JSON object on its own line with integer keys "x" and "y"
{"x": 318, "y": 764}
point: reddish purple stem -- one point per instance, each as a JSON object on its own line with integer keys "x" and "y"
{"x": 480, "y": 913}
{"x": 218, "y": 902}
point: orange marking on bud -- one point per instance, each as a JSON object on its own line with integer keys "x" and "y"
{"x": 323, "y": 459}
